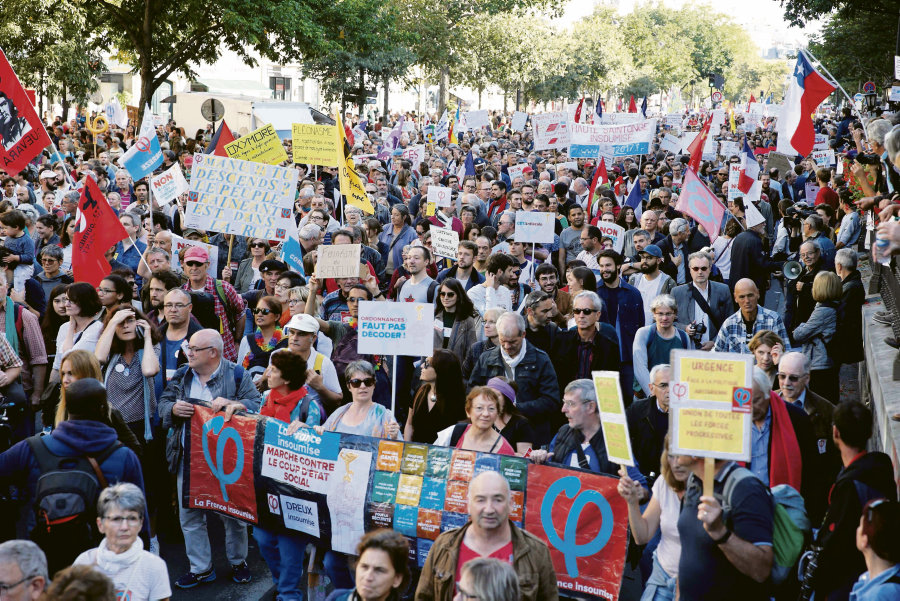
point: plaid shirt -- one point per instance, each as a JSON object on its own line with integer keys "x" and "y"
{"x": 31, "y": 337}
{"x": 8, "y": 358}
{"x": 733, "y": 337}
{"x": 237, "y": 309}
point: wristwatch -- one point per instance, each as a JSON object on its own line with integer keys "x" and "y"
{"x": 724, "y": 538}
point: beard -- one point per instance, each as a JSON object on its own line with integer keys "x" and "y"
{"x": 647, "y": 268}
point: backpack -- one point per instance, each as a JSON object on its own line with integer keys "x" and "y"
{"x": 791, "y": 527}
{"x": 232, "y": 322}
{"x": 65, "y": 498}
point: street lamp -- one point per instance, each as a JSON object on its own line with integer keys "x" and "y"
{"x": 871, "y": 101}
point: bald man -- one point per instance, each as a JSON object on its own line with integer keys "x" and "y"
{"x": 749, "y": 260}
{"x": 751, "y": 317}
{"x": 489, "y": 533}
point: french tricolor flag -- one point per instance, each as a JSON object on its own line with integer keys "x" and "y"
{"x": 806, "y": 91}
{"x": 749, "y": 169}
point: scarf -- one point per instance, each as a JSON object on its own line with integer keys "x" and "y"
{"x": 12, "y": 337}
{"x": 263, "y": 345}
{"x": 113, "y": 563}
{"x": 280, "y": 407}
{"x": 785, "y": 463}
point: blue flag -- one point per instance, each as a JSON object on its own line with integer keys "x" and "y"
{"x": 467, "y": 168}
{"x": 644, "y": 107}
{"x": 292, "y": 254}
{"x": 599, "y": 109}
{"x": 145, "y": 155}
{"x": 634, "y": 199}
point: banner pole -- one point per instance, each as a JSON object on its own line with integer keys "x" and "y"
{"x": 709, "y": 474}
{"x": 394, "y": 386}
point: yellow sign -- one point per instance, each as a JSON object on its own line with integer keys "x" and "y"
{"x": 315, "y": 144}
{"x": 711, "y": 432}
{"x": 351, "y": 185}
{"x": 409, "y": 490}
{"x": 617, "y": 443}
{"x": 607, "y": 388}
{"x": 260, "y": 146}
{"x": 712, "y": 379}
{"x": 430, "y": 209}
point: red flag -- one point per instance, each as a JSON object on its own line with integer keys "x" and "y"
{"x": 617, "y": 186}
{"x": 222, "y": 137}
{"x": 752, "y": 100}
{"x": 632, "y": 107}
{"x": 97, "y": 230}
{"x": 578, "y": 110}
{"x": 698, "y": 201}
{"x": 349, "y": 134}
{"x": 600, "y": 177}
{"x": 22, "y": 134}
{"x": 696, "y": 147}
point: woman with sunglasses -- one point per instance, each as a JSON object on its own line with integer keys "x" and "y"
{"x": 267, "y": 337}
{"x": 456, "y": 322}
{"x": 436, "y": 405}
{"x": 248, "y": 271}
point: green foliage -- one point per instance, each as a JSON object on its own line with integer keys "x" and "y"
{"x": 800, "y": 11}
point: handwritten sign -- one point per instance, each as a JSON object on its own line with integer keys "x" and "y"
{"x": 315, "y": 144}
{"x": 478, "y": 119}
{"x": 823, "y": 158}
{"x": 240, "y": 197}
{"x": 260, "y": 146}
{"x": 614, "y": 231}
{"x": 514, "y": 171}
{"x": 612, "y": 417}
{"x": 338, "y": 261}
{"x": 415, "y": 155}
{"x": 444, "y": 241}
{"x": 518, "y": 121}
{"x": 811, "y": 191}
{"x": 440, "y": 196}
{"x": 396, "y": 329}
{"x": 702, "y": 419}
{"x": 671, "y": 144}
{"x": 533, "y": 226}
{"x": 169, "y": 185}
{"x": 729, "y": 149}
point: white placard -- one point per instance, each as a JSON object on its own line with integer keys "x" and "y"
{"x": 518, "y": 121}
{"x": 671, "y": 144}
{"x": 444, "y": 241}
{"x": 734, "y": 175}
{"x": 821, "y": 142}
{"x": 570, "y": 165}
{"x": 338, "y": 261}
{"x": 729, "y": 149}
{"x": 477, "y": 119}
{"x": 550, "y": 130}
{"x": 415, "y": 155}
{"x": 894, "y": 95}
{"x": 620, "y": 118}
{"x": 627, "y": 139}
{"x": 395, "y": 329}
{"x": 300, "y": 515}
{"x": 896, "y": 67}
{"x": 533, "y": 226}
{"x": 823, "y": 158}
{"x": 169, "y": 185}
{"x": 614, "y": 231}
{"x": 515, "y": 171}
{"x": 440, "y": 196}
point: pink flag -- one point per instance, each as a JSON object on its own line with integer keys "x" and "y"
{"x": 699, "y": 202}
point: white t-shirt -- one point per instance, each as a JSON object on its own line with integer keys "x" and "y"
{"x": 87, "y": 340}
{"x": 649, "y": 290}
{"x": 147, "y": 579}
{"x": 484, "y": 298}
{"x": 669, "y": 550}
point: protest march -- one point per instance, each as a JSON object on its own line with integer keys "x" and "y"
{"x": 609, "y": 349}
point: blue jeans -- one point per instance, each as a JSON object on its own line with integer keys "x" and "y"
{"x": 337, "y": 566}
{"x": 285, "y": 554}
{"x": 660, "y": 586}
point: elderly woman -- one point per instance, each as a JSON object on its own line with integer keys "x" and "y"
{"x": 816, "y": 333}
{"x": 138, "y": 575}
{"x": 487, "y": 578}
{"x": 248, "y": 270}
{"x": 382, "y": 568}
{"x": 489, "y": 339}
{"x": 483, "y": 405}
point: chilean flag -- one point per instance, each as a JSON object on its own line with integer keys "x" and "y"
{"x": 749, "y": 169}
{"x": 807, "y": 90}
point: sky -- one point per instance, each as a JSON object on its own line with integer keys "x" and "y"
{"x": 763, "y": 19}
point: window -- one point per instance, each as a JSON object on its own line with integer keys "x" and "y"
{"x": 281, "y": 86}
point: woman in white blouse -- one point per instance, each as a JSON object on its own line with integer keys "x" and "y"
{"x": 83, "y": 328}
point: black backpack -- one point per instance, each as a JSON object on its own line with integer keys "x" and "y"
{"x": 65, "y": 498}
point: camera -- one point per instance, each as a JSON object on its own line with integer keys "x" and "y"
{"x": 699, "y": 331}
{"x": 795, "y": 214}
{"x": 868, "y": 158}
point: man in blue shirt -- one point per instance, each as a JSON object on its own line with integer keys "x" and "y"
{"x": 130, "y": 250}
{"x": 623, "y": 308}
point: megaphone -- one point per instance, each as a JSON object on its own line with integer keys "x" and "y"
{"x": 792, "y": 270}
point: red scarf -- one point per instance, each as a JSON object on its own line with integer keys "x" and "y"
{"x": 280, "y": 407}
{"x": 785, "y": 464}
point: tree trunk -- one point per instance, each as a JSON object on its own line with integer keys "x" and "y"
{"x": 387, "y": 84}
{"x": 65, "y": 104}
{"x": 443, "y": 90}
{"x": 518, "y": 98}
{"x": 479, "y": 98}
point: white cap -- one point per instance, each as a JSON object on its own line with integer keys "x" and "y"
{"x": 47, "y": 173}
{"x": 303, "y": 323}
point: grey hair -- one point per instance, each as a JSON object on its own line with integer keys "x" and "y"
{"x": 805, "y": 363}
{"x": 156, "y": 250}
{"x": 52, "y": 251}
{"x": 892, "y": 142}
{"x": 124, "y": 495}
{"x": 27, "y": 555}
{"x": 492, "y": 579}
{"x": 656, "y": 369}
{"x": 215, "y": 339}
{"x": 359, "y": 367}
{"x": 594, "y": 298}
{"x": 494, "y": 312}
{"x": 585, "y": 386}
{"x": 535, "y": 298}
{"x": 762, "y": 380}
{"x": 307, "y": 192}
{"x": 678, "y": 224}
{"x": 665, "y": 301}
{"x": 643, "y": 233}
{"x": 515, "y": 318}
{"x": 310, "y": 231}
{"x": 877, "y": 130}
{"x": 426, "y": 180}
{"x": 700, "y": 254}
{"x": 846, "y": 258}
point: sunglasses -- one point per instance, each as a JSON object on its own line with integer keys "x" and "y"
{"x": 699, "y": 268}
{"x": 789, "y": 377}
{"x": 447, "y": 294}
{"x": 356, "y": 382}
{"x": 262, "y": 311}
{"x": 257, "y": 245}
{"x": 583, "y": 311}
{"x": 194, "y": 264}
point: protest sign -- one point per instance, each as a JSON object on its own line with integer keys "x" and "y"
{"x": 710, "y": 403}
{"x": 401, "y": 328}
{"x": 570, "y": 165}
{"x": 687, "y": 138}
{"x": 821, "y": 142}
{"x": 260, "y": 146}
{"x": 550, "y": 130}
{"x": 896, "y": 67}
{"x": 620, "y": 118}
{"x": 614, "y": 231}
{"x": 514, "y": 171}
{"x": 415, "y": 155}
{"x": 894, "y": 94}
{"x": 611, "y": 407}
{"x": 477, "y": 119}
{"x": 811, "y": 190}
{"x": 729, "y": 149}
{"x": 239, "y": 197}
{"x": 823, "y": 158}
{"x": 22, "y": 133}
{"x": 145, "y": 154}
{"x": 334, "y": 487}
{"x": 444, "y": 241}
{"x": 292, "y": 255}
{"x": 671, "y": 144}
{"x": 133, "y": 112}
{"x": 440, "y": 196}
{"x": 315, "y": 144}
{"x": 674, "y": 120}
{"x": 179, "y": 243}
{"x": 734, "y": 176}
{"x": 591, "y": 141}
{"x": 169, "y": 185}
{"x": 533, "y": 226}
{"x": 518, "y": 121}
{"x": 338, "y": 261}
{"x": 780, "y": 161}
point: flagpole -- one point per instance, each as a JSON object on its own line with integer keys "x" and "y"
{"x": 841, "y": 88}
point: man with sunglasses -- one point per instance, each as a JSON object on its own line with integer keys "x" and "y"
{"x": 702, "y": 301}
{"x": 587, "y": 347}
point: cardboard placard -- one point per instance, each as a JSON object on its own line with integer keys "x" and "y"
{"x": 444, "y": 241}
{"x": 315, "y": 144}
{"x": 611, "y": 406}
{"x": 260, "y": 146}
{"x": 169, "y": 185}
{"x": 614, "y": 231}
{"x": 440, "y": 196}
{"x": 338, "y": 261}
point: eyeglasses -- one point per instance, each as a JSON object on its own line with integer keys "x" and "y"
{"x": 262, "y": 311}
{"x": 789, "y": 377}
{"x": 295, "y": 301}
{"x": 662, "y": 385}
{"x": 178, "y": 306}
{"x": 583, "y": 311}
{"x": 193, "y": 350}
{"x": 357, "y": 383}
{"x": 466, "y": 596}
{"x": 131, "y": 520}
{"x": 664, "y": 313}
{"x": 261, "y": 244}
{"x": 194, "y": 264}
{"x": 5, "y": 588}
{"x": 447, "y": 294}
{"x": 101, "y": 290}
{"x": 699, "y": 268}
{"x": 49, "y": 260}
{"x": 573, "y": 404}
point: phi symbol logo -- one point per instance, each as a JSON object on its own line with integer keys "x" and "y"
{"x": 274, "y": 505}
{"x": 570, "y": 485}
{"x": 215, "y": 425}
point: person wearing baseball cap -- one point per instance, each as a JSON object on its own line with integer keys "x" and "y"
{"x": 650, "y": 281}
{"x": 229, "y": 306}
{"x": 321, "y": 376}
